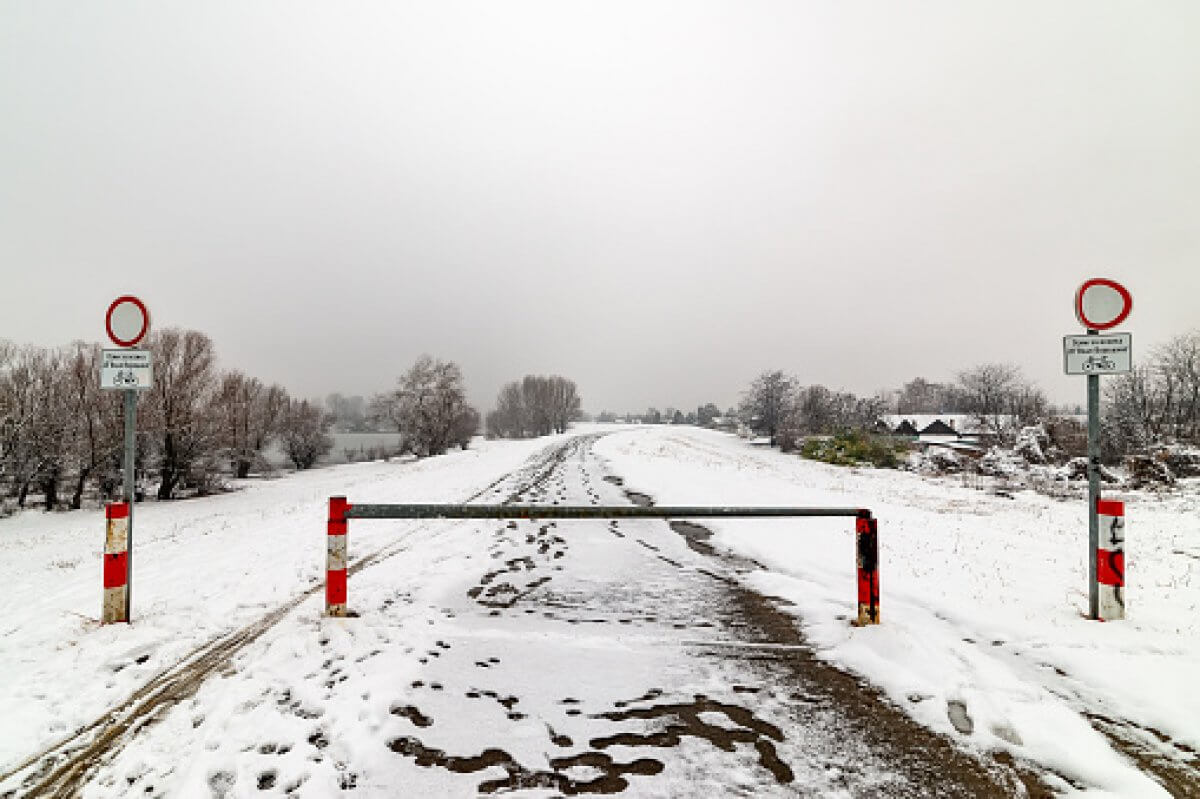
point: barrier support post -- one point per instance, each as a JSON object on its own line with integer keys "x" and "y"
{"x": 335, "y": 561}
{"x": 114, "y": 604}
{"x": 866, "y": 530}
{"x": 1110, "y": 559}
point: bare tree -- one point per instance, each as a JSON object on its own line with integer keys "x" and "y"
{"x": 36, "y": 429}
{"x": 349, "y": 413}
{"x": 1177, "y": 367}
{"x": 767, "y": 400}
{"x": 249, "y": 416}
{"x": 426, "y": 406}
{"x": 466, "y": 425}
{"x": 509, "y": 419}
{"x": 534, "y": 406}
{"x": 816, "y": 410}
{"x": 923, "y": 396}
{"x": 53, "y": 432}
{"x": 539, "y": 405}
{"x": 1157, "y": 402}
{"x": 18, "y": 413}
{"x": 987, "y": 389}
{"x": 564, "y": 402}
{"x": 178, "y": 408}
{"x": 98, "y": 424}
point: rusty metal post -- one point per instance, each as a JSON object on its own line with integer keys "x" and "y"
{"x": 335, "y": 559}
{"x": 114, "y": 606}
{"x": 867, "y": 539}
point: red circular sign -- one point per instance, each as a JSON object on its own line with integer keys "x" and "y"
{"x": 127, "y": 321}
{"x": 1101, "y": 303}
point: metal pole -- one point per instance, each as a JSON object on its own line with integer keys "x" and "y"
{"x": 867, "y": 538}
{"x": 130, "y": 422}
{"x": 335, "y": 557}
{"x": 422, "y": 511}
{"x": 1093, "y": 452}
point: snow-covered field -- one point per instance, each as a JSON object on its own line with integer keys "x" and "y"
{"x": 983, "y": 597}
{"x": 202, "y": 568}
{"x": 982, "y": 603}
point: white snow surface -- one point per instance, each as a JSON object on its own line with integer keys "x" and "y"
{"x": 982, "y": 603}
{"x": 983, "y": 598}
{"x": 203, "y": 568}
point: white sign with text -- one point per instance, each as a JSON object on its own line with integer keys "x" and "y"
{"x": 125, "y": 369}
{"x": 1105, "y": 354}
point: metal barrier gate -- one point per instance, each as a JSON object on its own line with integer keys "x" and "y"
{"x": 340, "y": 512}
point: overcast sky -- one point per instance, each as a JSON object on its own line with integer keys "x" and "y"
{"x": 658, "y": 200}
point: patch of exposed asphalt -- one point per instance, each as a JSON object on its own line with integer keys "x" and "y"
{"x": 1174, "y": 764}
{"x": 928, "y": 764}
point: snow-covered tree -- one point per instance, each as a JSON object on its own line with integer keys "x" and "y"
{"x": 1001, "y": 399}
{"x": 1158, "y": 402}
{"x": 427, "y": 406}
{"x": 766, "y": 402}
{"x": 304, "y": 433}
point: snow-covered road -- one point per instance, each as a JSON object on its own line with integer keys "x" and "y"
{"x": 532, "y": 657}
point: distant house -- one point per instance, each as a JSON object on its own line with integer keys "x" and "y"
{"x": 938, "y": 428}
{"x": 728, "y": 424}
{"x": 956, "y": 431}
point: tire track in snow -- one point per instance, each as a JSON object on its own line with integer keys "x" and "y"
{"x": 62, "y": 769}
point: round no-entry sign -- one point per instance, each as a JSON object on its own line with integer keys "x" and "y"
{"x": 1101, "y": 303}
{"x": 127, "y": 321}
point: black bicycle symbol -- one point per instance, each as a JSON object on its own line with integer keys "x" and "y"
{"x": 1099, "y": 363}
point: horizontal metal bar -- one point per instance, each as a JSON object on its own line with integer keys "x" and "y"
{"x": 366, "y": 511}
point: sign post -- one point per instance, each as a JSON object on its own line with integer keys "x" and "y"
{"x": 127, "y": 324}
{"x": 1100, "y": 304}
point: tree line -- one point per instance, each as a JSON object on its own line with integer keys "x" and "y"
{"x": 1157, "y": 403}
{"x": 62, "y": 436}
{"x": 534, "y": 406}
{"x": 703, "y": 416}
{"x": 997, "y": 396}
{"x": 59, "y": 431}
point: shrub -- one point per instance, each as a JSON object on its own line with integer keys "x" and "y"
{"x": 855, "y": 448}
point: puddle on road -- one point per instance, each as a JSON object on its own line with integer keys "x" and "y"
{"x": 609, "y": 774}
{"x": 596, "y": 771}
{"x": 696, "y": 536}
{"x": 640, "y": 499}
{"x": 685, "y": 720}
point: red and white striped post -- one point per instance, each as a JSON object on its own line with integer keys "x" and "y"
{"x": 115, "y": 605}
{"x": 1110, "y": 559}
{"x": 866, "y": 530}
{"x": 335, "y": 561}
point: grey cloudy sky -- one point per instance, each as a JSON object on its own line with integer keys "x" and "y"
{"x": 658, "y": 200}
